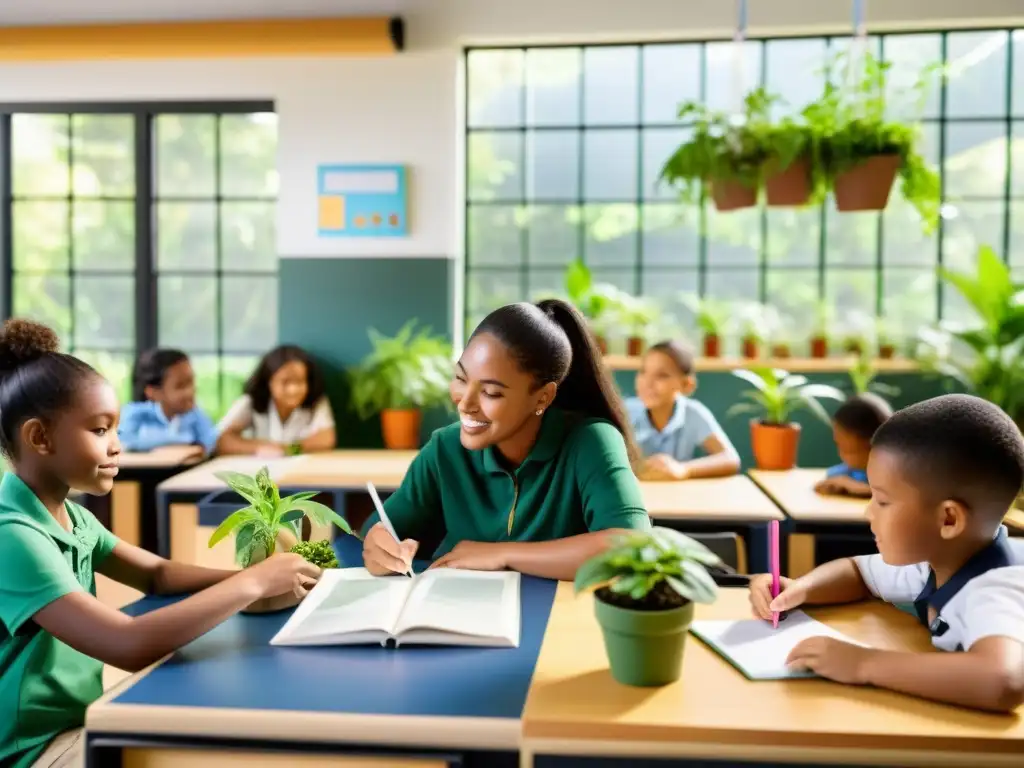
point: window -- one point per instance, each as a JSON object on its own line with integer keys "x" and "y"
{"x": 136, "y": 226}
{"x": 564, "y": 146}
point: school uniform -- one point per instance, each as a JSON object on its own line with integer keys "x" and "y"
{"x": 45, "y": 685}
{"x": 683, "y": 436}
{"x": 984, "y": 598}
{"x": 576, "y": 479}
{"x": 844, "y": 470}
{"x": 144, "y": 426}
{"x": 300, "y": 424}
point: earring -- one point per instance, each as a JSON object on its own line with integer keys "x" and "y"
{"x": 540, "y": 411}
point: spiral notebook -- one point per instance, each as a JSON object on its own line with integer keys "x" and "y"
{"x": 757, "y": 650}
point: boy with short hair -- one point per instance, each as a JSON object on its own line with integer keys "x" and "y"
{"x": 943, "y": 473}
{"x": 853, "y": 426}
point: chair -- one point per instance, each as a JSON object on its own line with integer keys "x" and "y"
{"x": 732, "y": 550}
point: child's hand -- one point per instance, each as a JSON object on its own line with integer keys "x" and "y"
{"x": 270, "y": 450}
{"x": 792, "y": 594}
{"x": 284, "y": 573}
{"x": 831, "y": 658}
{"x": 663, "y": 467}
{"x": 382, "y": 555}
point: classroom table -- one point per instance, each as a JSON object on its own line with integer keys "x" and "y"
{"x": 716, "y": 504}
{"x": 1015, "y": 521}
{"x": 813, "y": 515}
{"x": 575, "y": 710}
{"x": 129, "y": 511}
{"x": 231, "y": 697}
{"x": 332, "y": 471}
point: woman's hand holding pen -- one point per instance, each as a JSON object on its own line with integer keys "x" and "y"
{"x": 383, "y": 555}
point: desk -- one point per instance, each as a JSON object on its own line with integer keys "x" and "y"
{"x": 230, "y": 692}
{"x": 339, "y": 471}
{"x": 1015, "y": 521}
{"x": 721, "y": 503}
{"x": 575, "y": 708}
{"x": 811, "y": 513}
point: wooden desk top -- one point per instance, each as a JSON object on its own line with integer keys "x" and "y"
{"x": 793, "y": 490}
{"x": 575, "y": 707}
{"x": 349, "y": 469}
{"x": 201, "y": 478}
{"x": 167, "y": 457}
{"x": 713, "y": 499}
{"x": 1015, "y": 519}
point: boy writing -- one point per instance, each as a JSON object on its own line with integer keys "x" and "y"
{"x": 943, "y": 474}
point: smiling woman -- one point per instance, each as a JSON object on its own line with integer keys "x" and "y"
{"x": 536, "y": 474}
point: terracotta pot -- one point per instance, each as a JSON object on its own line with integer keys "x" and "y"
{"x": 887, "y": 351}
{"x": 732, "y": 195}
{"x": 750, "y": 349}
{"x": 791, "y": 186}
{"x": 854, "y": 348}
{"x": 780, "y": 351}
{"x": 634, "y": 346}
{"x": 602, "y": 343}
{"x": 285, "y": 541}
{"x": 401, "y": 428}
{"x": 712, "y": 345}
{"x": 774, "y": 445}
{"x": 866, "y": 187}
{"x": 819, "y": 347}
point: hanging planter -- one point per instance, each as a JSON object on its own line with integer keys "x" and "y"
{"x": 730, "y": 195}
{"x": 866, "y": 186}
{"x": 788, "y": 186}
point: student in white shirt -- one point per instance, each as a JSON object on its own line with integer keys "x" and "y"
{"x": 284, "y": 409}
{"x": 942, "y": 474}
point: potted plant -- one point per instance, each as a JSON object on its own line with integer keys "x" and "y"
{"x": 775, "y": 394}
{"x": 821, "y": 329}
{"x": 751, "y": 343}
{"x": 402, "y": 376}
{"x": 886, "y": 339}
{"x": 269, "y": 523}
{"x": 711, "y": 317}
{"x": 636, "y": 314}
{"x": 594, "y": 300}
{"x": 862, "y": 149}
{"x": 645, "y": 586}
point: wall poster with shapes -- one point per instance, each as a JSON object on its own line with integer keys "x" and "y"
{"x": 362, "y": 200}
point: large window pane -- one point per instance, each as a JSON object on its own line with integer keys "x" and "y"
{"x": 553, "y": 165}
{"x": 248, "y": 155}
{"x": 40, "y": 234}
{"x": 104, "y": 155}
{"x": 248, "y": 312}
{"x": 248, "y": 237}
{"x": 495, "y": 89}
{"x": 610, "y": 165}
{"x": 39, "y": 154}
{"x": 553, "y": 235}
{"x": 188, "y": 312}
{"x": 671, "y": 77}
{"x": 186, "y": 161}
{"x": 494, "y": 236}
{"x": 104, "y": 235}
{"x": 611, "y": 85}
{"x": 104, "y": 312}
{"x": 553, "y": 86}
{"x": 45, "y": 299}
{"x": 186, "y": 236}
{"x": 977, "y": 74}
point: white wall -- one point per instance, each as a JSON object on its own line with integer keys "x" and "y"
{"x": 405, "y": 109}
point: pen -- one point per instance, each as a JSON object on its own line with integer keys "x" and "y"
{"x": 773, "y": 558}
{"x": 383, "y": 517}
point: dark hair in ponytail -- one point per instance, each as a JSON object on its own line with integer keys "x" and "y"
{"x": 151, "y": 369}
{"x": 551, "y": 342}
{"x": 37, "y": 381}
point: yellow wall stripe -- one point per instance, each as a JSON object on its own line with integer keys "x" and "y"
{"x": 204, "y": 39}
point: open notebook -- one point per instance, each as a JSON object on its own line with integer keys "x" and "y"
{"x": 446, "y": 606}
{"x": 759, "y": 651}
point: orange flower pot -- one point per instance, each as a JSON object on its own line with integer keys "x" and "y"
{"x": 401, "y": 428}
{"x": 866, "y": 187}
{"x": 751, "y": 349}
{"x": 774, "y": 445}
{"x": 819, "y": 347}
{"x": 731, "y": 195}
{"x": 712, "y": 346}
{"x": 634, "y": 346}
{"x": 789, "y": 187}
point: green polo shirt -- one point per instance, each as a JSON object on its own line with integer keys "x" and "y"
{"x": 45, "y": 685}
{"x": 576, "y": 479}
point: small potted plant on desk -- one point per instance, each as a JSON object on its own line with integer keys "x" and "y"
{"x": 645, "y": 587}
{"x": 269, "y": 524}
{"x": 775, "y": 394}
{"x": 400, "y": 378}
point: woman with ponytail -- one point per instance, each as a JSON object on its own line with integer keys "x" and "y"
{"x": 536, "y": 474}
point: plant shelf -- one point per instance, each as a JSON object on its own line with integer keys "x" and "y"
{"x": 791, "y": 364}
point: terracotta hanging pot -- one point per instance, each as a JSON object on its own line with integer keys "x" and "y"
{"x": 866, "y": 186}
{"x": 791, "y": 186}
{"x": 731, "y": 195}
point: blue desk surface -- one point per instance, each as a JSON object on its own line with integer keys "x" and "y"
{"x": 235, "y": 667}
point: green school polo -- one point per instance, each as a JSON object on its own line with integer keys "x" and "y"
{"x": 576, "y": 479}
{"x": 45, "y": 685}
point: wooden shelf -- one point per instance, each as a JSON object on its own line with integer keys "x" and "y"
{"x": 791, "y": 364}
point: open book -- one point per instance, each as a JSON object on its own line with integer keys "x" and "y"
{"x": 759, "y": 651}
{"x": 445, "y": 606}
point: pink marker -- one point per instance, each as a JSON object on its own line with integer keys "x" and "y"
{"x": 773, "y": 560}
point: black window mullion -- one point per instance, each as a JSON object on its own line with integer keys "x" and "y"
{"x": 71, "y": 232}
{"x": 146, "y": 294}
{"x": 6, "y": 219}
{"x": 218, "y": 256}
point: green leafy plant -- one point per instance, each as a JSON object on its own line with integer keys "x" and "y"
{"x": 256, "y": 526}
{"x": 862, "y": 379}
{"x": 637, "y": 314}
{"x": 776, "y": 394}
{"x": 410, "y": 370}
{"x": 711, "y": 316}
{"x": 656, "y": 570}
{"x": 319, "y": 553}
{"x": 594, "y": 300}
{"x": 985, "y": 354}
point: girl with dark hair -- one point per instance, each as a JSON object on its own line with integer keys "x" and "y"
{"x": 284, "y": 409}
{"x": 536, "y": 474}
{"x": 164, "y": 411}
{"x": 58, "y": 419}
{"x": 679, "y": 437}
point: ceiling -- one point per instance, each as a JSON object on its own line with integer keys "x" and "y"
{"x": 25, "y": 12}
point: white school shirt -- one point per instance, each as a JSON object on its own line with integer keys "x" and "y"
{"x": 302, "y": 422}
{"x": 984, "y": 599}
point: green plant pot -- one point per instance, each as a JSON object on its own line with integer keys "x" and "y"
{"x": 644, "y": 648}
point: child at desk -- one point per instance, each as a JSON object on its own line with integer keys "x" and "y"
{"x": 670, "y": 426}
{"x": 164, "y": 410}
{"x": 942, "y": 473}
{"x": 853, "y": 426}
{"x": 57, "y": 429}
{"x": 535, "y": 476}
{"x": 284, "y": 409}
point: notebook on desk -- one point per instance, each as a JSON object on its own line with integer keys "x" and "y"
{"x": 446, "y": 606}
{"x": 757, "y": 650}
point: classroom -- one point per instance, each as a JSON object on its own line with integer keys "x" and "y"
{"x": 785, "y": 234}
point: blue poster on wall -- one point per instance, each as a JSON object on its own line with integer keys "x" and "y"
{"x": 362, "y": 201}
